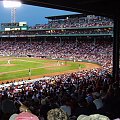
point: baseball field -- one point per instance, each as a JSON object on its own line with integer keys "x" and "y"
{"x": 13, "y": 68}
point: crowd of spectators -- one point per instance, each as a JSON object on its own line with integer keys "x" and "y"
{"x": 51, "y": 32}
{"x": 76, "y": 22}
{"x": 84, "y": 92}
{"x": 94, "y": 50}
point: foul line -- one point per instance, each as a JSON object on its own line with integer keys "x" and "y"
{"x": 25, "y": 70}
{"x": 26, "y": 60}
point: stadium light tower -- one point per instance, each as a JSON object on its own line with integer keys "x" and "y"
{"x": 13, "y": 5}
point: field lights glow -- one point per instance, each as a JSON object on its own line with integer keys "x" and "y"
{"x": 11, "y": 4}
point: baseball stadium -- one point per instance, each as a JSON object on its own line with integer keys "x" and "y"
{"x": 61, "y": 69}
{"x": 48, "y": 50}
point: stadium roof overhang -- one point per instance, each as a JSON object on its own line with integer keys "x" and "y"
{"x": 65, "y": 16}
{"x": 108, "y": 8}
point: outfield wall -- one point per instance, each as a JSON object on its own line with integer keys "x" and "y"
{"x": 72, "y": 59}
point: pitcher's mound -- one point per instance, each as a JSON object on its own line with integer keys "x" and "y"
{"x": 7, "y": 65}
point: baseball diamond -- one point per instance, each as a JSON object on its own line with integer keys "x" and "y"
{"x": 19, "y": 67}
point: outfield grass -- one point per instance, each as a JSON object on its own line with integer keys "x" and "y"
{"x": 19, "y": 67}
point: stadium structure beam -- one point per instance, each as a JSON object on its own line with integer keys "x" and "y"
{"x": 116, "y": 40}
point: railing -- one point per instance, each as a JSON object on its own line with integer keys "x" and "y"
{"x": 58, "y": 35}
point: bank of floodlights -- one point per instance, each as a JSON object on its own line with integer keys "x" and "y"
{"x": 13, "y": 4}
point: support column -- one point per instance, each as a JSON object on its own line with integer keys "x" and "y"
{"x": 76, "y": 42}
{"x": 94, "y": 41}
{"x": 60, "y": 41}
{"x": 1, "y": 40}
{"x": 30, "y": 40}
{"x": 116, "y": 32}
{"x": 45, "y": 39}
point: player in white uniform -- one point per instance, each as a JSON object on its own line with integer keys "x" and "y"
{"x": 58, "y": 63}
{"x": 8, "y": 61}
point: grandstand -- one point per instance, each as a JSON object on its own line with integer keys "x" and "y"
{"x": 67, "y": 25}
{"x": 75, "y": 38}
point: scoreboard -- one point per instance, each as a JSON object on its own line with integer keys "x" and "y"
{"x": 14, "y": 26}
